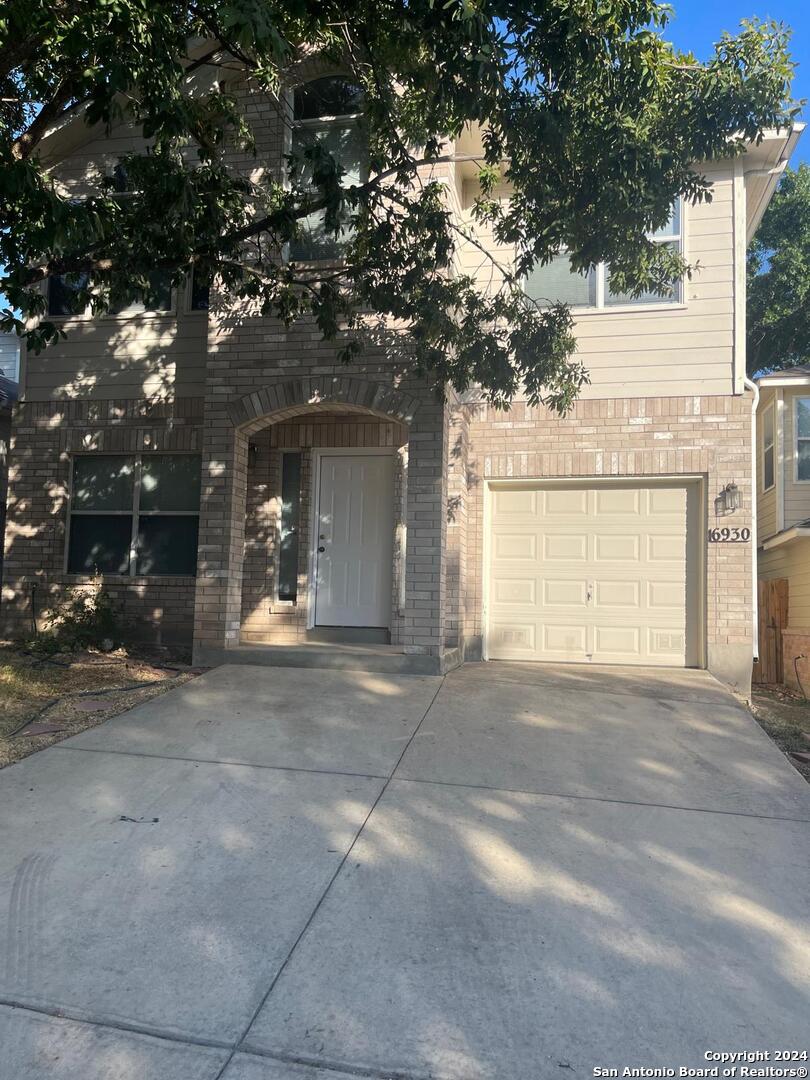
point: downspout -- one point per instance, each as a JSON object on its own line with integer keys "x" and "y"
{"x": 752, "y": 386}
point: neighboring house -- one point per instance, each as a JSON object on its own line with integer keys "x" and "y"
{"x": 9, "y": 375}
{"x": 783, "y": 499}
{"x": 240, "y": 488}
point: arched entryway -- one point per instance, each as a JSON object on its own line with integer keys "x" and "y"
{"x": 323, "y": 511}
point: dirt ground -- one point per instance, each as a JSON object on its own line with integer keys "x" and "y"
{"x": 785, "y": 716}
{"x": 72, "y": 692}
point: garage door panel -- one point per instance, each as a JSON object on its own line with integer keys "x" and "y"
{"x": 597, "y": 574}
{"x": 616, "y": 548}
{"x": 666, "y": 502}
{"x": 625, "y": 502}
{"x": 666, "y": 595}
{"x": 562, "y": 547}
{"x": 513, "y": 639}
{"x": 565, "y": 502}
{"x": 617, "y": 641}
{"x": 519, "y": 502}
{"x": 514, "y": 591}
{"x": 666, "y": 547}
{"x": 666, "y": 644}
{"x": 563, "y": 639}
{"x": 570, "y": 592}
{"x": 613, "y": 594}
{"x": 516, "y": 545}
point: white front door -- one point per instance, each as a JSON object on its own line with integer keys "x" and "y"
{"x": 354, "y": 541}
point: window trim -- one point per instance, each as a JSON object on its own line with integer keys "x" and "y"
{"x": 796, "y": 438}
{"x": 769, "y": 408}
{"x": 659, "y": 305}
{"x": 134, "y": 512}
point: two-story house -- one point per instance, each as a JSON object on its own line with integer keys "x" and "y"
{"x": 783, "y": 500}
{"x": 240, "y": 488}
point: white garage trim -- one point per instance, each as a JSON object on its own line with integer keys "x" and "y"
{"x": 695, "y": 551}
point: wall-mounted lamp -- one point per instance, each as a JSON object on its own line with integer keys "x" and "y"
{"x": 253, "y": 453}
{"x": 728, "y": 501}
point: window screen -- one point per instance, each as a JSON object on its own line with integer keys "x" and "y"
{"x": 556, "y": 282}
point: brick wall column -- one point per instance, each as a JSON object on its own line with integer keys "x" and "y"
{"x": 221, "y": 551}
{"x": 426, "y": 517}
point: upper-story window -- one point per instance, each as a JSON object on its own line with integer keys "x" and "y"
{"x": 64, "y": 292}
{"x": 803, "y": 438}
{"x": 327, "y": 111}
{"x": 556, "y": 282}
{"x": 767, "y": 448}
{"x": 10, "y": 357}
{"x": 199, "y": 293}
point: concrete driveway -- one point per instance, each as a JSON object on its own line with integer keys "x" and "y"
{"x": 506, "y": 874}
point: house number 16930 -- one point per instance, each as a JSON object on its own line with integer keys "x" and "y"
{"x": 729, "y": 536}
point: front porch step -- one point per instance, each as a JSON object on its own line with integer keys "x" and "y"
{"x": 385, "y": 659}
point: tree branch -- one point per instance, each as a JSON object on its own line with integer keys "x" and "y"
{"x": 26, "y": 143}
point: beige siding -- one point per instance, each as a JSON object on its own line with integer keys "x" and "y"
{"x": 157, "y": 358}
{"x": 797, "y": 492}
{"x": 661, "y": 351}
{"x": 792, "y": 561}
{"x": 767, "y": 516}
{"x": 685, "y": 349}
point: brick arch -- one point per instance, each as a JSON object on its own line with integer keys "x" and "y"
{"x": 294, "y": 397}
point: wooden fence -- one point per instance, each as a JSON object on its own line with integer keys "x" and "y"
{"x": 773, "y": 617}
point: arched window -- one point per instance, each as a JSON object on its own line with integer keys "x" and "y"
{"x": 327, "y": 111}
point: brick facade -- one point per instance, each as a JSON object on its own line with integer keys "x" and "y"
{"x": 265, "y": 618}
{"x": 447, "y": 452}
{"x": 707, "y": 437}
{"x": 44, "y": 437}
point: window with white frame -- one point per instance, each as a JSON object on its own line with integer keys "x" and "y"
{"x": 803, "y": 438}
{"x": 134, "y": 514}
{"x": 768, "y": 448}
{"x": 327, "y": 111}
{"x": 556, "y": 282}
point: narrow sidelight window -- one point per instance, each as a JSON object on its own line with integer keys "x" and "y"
{"x": 767, "y": 448}
{"x": 803, "y": 438}
{"x": 290, "y": 518}
{"x": 134, "y": 514}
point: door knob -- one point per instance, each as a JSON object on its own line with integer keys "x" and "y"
{"x": 321, "y": 549}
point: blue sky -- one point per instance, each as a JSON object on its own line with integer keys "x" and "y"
{"x": 697, "y": 24}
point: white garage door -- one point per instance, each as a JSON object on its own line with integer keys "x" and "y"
{"x": 588, "y": 574}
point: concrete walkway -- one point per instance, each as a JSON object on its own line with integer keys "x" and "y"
{"x": 505, "y": 874}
